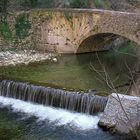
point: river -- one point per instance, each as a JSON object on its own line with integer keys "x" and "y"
{"x": 20, "y": 120}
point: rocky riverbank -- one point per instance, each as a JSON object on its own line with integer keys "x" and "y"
{"x": 24, "y": 57}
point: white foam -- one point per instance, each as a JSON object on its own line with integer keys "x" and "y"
{"x": 60, "y": 116}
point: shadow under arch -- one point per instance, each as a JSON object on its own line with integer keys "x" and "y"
{"x": 114, "y": 52}
{"x": 101, "y": 42}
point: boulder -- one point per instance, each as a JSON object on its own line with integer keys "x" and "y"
{"x": 117, "y": 107}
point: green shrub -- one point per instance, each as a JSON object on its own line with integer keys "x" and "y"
{"x": 78, "y": 4}
{"x": 22, "y": 26}
{"x": 101, "y": 3}
{"x": 5, "y": 31}
{"x": 3, "y": 5}
{"x": 29, "y": 3}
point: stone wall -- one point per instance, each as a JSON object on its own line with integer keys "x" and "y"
{"x": 64, "y": 30}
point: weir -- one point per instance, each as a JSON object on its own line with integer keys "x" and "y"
{"x": 74, "y": 101}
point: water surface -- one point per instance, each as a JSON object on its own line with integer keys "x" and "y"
{"x": 20, "y": 120}
{"x": 82, "y": 71}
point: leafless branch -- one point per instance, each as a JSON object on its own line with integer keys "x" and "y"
{"x": 106, "y": 78}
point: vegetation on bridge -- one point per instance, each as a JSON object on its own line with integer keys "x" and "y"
{"x": 5, "y": 30}
{"x": 22, "y": 26}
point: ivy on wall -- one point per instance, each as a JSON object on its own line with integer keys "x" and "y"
{"x": 3, "y": 6}
{"x": 103, "y": 4}
{"x": 78, "y": 3}
{"x": 5, "y": 30}
{"x": 22, "y": 26}
{"x": 29, "y": 3}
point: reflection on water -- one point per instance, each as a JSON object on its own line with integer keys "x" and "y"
{"x": 24, "y": 121}
{"x": 80, "y": 71}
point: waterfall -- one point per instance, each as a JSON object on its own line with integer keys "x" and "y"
{"x": 74, "y": 101}
{"x": 64, "y": 117}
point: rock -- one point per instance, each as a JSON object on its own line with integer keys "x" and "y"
{"x": 106, "y": 127}
{"x": 23, "y": 57}
{"x": 54, "y": 59}
{"x": 114, "y": 116}
{"x": 92, "y": 91}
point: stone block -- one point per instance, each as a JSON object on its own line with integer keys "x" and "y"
{"x": 122, "y": 112}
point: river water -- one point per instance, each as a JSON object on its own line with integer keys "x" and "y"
{"x": 79, "y": 72}
{"x": 21, "y": 120}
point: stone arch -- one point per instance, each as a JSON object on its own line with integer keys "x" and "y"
{"x": 101, "y": 41}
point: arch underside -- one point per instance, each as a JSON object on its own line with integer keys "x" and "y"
{"x": 101, "y": 42}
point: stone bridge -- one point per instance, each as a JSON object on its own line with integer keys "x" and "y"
{"x": 82, "y": 30}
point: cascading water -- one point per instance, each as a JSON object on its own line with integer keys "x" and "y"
{"x": 74, "y": 101}
{"x": 48, "y": 114}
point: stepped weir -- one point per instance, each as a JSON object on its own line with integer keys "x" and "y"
{"x": 74, "y": 101}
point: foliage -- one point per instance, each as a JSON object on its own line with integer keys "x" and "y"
{"x": 134, "y": 2}
{"x": 46, "y": 4}
{"x": 5, "y": 30}
{"x": 88, "y": 3}
{"x": 22, "y": 26}
{"x": 78, "y": 3}
{"x": 68, "y": 16}
{"x": 3, "y": 5}
{"x": 29, "y": 3}
{"x": 100, "y": 3}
